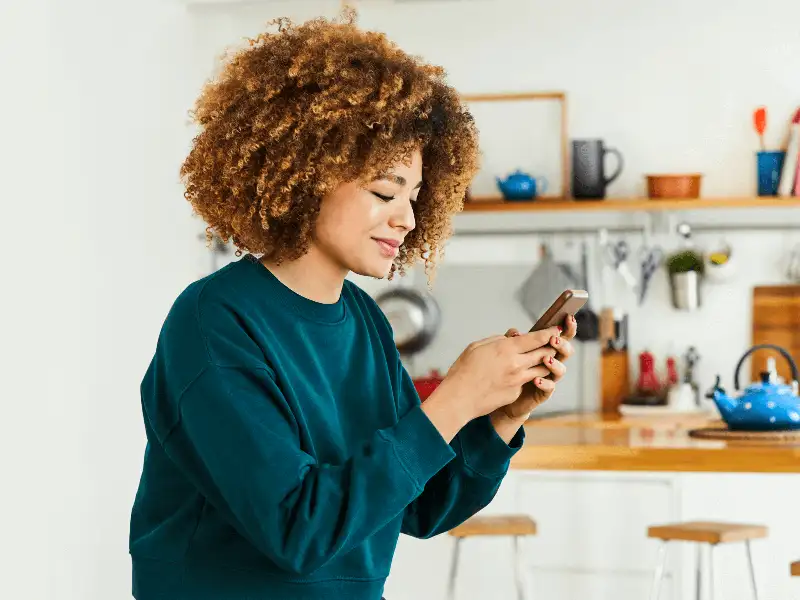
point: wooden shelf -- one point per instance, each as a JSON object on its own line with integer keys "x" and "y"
{"x": 626, "y": 204}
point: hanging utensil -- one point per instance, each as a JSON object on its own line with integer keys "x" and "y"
{"x": 616, "y": 255}
{"x": 587, "y": 320}
{"x": 545, "y": 283}
{"x": 414, "y": 315}
{"x": 650, "y": 262}
{"x": 760, "y": 124}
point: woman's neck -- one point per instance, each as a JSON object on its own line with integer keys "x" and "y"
{"x": 314, "y": 276}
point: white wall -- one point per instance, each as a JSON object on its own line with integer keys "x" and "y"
{"x": 101, "y": 242}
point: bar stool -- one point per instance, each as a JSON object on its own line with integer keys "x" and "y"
{"x": 795, "y": 569}
{"x": 514, "y": 526}
{"x": 704, "y": 532}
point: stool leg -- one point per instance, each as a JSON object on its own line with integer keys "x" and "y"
{"x": 752, "y": 571}
{"x": 711, "y": 571}
{"x": 518, "y": 571}
{"x": 451, "y": 584}
{"x": 658, "y": 576}
{"x": 699, "y": 568}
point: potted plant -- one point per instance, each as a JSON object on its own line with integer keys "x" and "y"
{"x": 686, "y": 268}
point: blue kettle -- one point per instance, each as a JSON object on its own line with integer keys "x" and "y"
{"x": 521, "y": 186}
{"x": 766, "y": 405}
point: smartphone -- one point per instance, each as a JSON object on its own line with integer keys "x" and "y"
{"x": 568, "y": 303}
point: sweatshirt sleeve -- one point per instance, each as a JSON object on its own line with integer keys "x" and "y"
{"x": 467, "y": 483}
{"x": 236, "y": 439}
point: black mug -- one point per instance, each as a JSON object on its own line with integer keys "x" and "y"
{"x": 588, "y": 168}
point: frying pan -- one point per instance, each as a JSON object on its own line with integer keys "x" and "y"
{"x": 414, "y": 315}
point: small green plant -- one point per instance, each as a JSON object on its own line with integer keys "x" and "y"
{"x": 685, "y": 261}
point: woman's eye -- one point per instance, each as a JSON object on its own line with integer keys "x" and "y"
{"x": 382, "y": 197}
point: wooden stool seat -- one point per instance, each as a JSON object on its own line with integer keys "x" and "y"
{"x": 495, "y": 525}
{"x": 709, "y": 532}
{"x": 796, "y": 569}
{"x": 512, "y": 526}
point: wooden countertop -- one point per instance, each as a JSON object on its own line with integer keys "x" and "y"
{"x": 595, "y": 442}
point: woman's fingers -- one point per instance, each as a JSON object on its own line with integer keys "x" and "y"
{"x": 571, "y": 327}
{"x": 532, "y": 373}
{"x": 564, "y": 348}
{"x": 546, "y": 385}
{"x": 556, "y": 368}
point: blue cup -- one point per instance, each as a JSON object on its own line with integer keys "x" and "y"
{"x": 770, "y": 164}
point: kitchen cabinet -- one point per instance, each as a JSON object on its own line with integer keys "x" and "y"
{"x": 592, "y": 520}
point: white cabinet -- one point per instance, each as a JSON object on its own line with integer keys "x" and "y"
{"x": 592, "y": 541}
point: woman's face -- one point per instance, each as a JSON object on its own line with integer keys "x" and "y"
{"x": 361, "y": 227}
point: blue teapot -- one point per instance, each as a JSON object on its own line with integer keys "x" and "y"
{"x": 521, "y": 186}
{"x": 767, "y": 405}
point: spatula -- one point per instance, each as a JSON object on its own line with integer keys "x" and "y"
{"x": 760, "y": 123}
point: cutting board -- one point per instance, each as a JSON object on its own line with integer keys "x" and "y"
{"x": 776, "y": 320}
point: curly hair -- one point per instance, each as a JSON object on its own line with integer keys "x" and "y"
{"x": 299, "y": 111}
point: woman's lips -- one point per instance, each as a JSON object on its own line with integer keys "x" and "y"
{"x": 389, "y": 248}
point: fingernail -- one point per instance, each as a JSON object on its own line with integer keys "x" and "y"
{"x": 559, "y": 328}
{"x": 557, "y": 341}
{"x": 572, "y": 318}
{"x": 538, "y": 381}
{"x": 550, "y": 360}
{"x": 515, "y": 334}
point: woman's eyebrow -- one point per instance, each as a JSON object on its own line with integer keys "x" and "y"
{"x": 398, "y": 179}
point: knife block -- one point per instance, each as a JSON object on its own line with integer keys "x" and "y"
{"x": 614, "y": 379}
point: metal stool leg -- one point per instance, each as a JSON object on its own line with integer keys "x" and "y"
{"x": 752, "y": 571}
{"x": 699, "y": 568}
{"x": 711, "y": 571}
{"x": 658, "y": 576}
{"x": 518, "y": 570}
{"x": 451, "y": 585}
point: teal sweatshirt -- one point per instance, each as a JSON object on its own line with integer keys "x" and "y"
{"x": 286, "y": 448}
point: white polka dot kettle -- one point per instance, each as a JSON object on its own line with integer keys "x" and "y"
{"x": 766, "y": 405}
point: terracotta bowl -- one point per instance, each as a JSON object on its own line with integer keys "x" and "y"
{"x": 681, "y": 185}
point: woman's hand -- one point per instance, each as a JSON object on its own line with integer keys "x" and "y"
{"x": 550, "y": 372}
{"x": 489, "y": 374}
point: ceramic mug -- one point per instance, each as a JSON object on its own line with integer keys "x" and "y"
{"x": 769, "y": 166}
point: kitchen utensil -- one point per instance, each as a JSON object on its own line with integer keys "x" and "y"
{"x": 521, "y": 186}
{"x": 547, "y": 281}
{"x": 775, "y": 319}
{"x": 769, "y": 164}
{"x": 760, "y": 124}
{"x": 682, "y": 186}
{"x": 792, "y": 158}
{"x": 414, "y": 315}
{"x": 765, "y": 405}
{"x": 647, "y": 383}
{"x": 589, "y": 180}
{"x": 587, "y": 319}
{"x": 613, "y": 329}
{"x": 691, "y": 358}
{"x": 616, "y": 255}
{"x": 650, "y": 261}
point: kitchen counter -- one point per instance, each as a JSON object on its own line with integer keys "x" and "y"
{"x": 596, "y": 442}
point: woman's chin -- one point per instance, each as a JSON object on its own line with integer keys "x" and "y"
{"x": 374, "y": 270}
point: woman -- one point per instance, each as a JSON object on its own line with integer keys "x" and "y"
{"x": 287, "y": 447}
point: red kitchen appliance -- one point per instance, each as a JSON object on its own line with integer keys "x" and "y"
{"x": 426, "y": 385}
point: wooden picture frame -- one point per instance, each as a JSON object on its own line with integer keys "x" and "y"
{"x": 561, "y": 98}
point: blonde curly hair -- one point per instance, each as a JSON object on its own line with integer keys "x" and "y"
{"x": 307, "y": 107}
